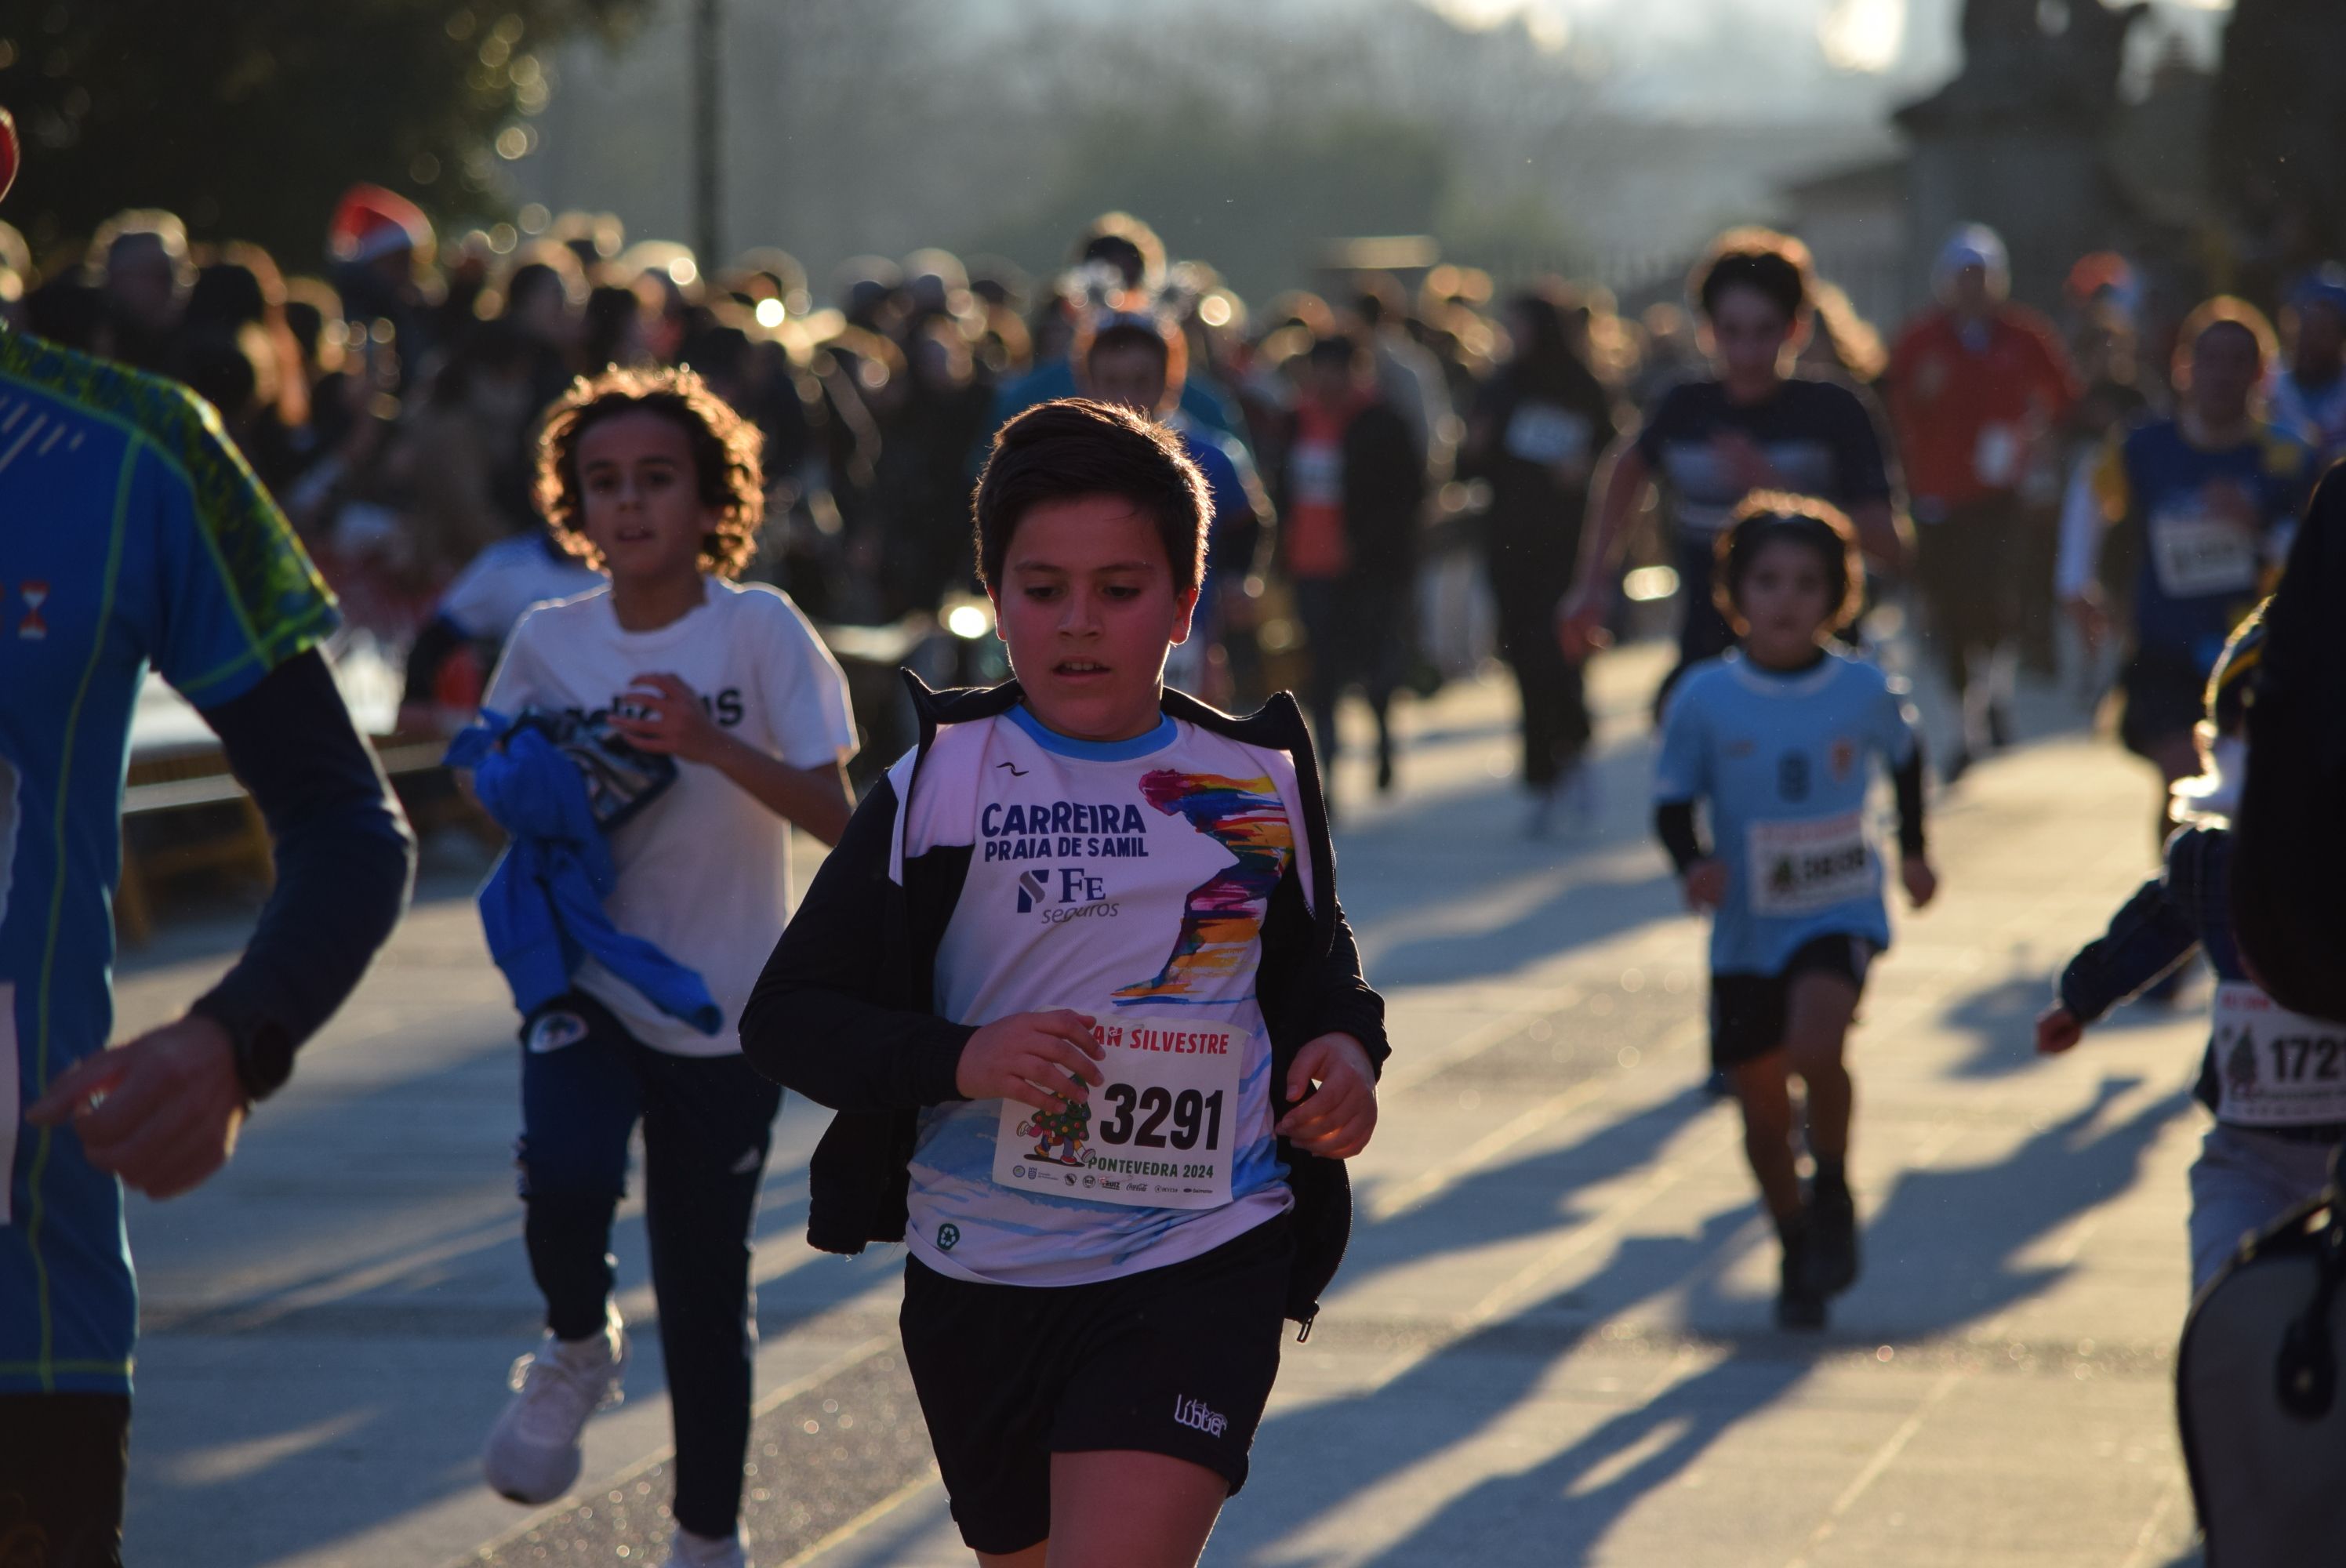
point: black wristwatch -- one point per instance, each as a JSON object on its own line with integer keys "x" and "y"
{"x": 263, "y": 1050}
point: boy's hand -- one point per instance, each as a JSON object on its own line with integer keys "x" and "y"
{"x": 161, "y": 1111}
{"x": 2057, "y": 1028}
{"x": 1039, "y": 1059}
{"x": 1921, "y": 881}
{"x": 1336, "y": 1122}
{"x": 674, "y": 722}
{"x": 1705, "y": 884}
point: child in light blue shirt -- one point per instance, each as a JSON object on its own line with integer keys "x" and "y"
{"x": 1777, "y": 740}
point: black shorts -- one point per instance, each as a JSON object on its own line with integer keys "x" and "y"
{"x": 1748, "y": 1012}
{"x": 2164, "y": 697}
{"x": 1177, "y": 1360}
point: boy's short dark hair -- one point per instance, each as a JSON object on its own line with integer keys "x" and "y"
{"x": 1774, "y": 265}
{"x": 1337, "y": 351}
{"x": 1124, "y": 242}
{"x": 1059, "y": 451}
{"x": 1772, "y": 516}
{"x": 724, "y": 458}
{"x": 1123, "y": 332}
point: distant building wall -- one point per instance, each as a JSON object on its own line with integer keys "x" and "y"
{"x": 1855, "y": 223}
{"x": 2046, "y": 191}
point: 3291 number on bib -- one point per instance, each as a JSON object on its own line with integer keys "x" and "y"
{"x": 1160, "y": 1133}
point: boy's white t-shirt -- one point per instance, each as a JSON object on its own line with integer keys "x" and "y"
{"x": 1128, "y": 881}
{"x": 704, "y": 869}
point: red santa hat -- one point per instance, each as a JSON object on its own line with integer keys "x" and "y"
{"x": 371, "y": 222}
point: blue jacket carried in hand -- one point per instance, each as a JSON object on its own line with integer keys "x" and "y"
{"x": 542, "y": 907}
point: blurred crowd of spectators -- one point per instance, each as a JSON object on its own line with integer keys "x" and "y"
{"x": 389, "y": 399}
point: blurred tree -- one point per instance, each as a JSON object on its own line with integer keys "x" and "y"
{"x": 247, "y": 117}
{"x": 2279, "y": 138}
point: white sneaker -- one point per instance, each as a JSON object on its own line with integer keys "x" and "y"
{"x": 686, "y": 1550}
{"x": 533, "y": 1453}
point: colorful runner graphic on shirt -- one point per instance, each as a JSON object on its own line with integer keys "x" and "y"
{"x": 1069, "y": 1127}
{"x": 1224, "y": 914}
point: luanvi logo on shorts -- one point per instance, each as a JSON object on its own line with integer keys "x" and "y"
{"x": 553, "y": 1031}
{"x": 947, "y": 1236}
{"x": 1196, "y": 1415}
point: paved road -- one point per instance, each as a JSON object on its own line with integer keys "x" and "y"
{"x": 1550, "y": 1342}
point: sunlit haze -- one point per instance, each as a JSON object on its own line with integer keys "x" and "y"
{"x": 1725, "y": 57}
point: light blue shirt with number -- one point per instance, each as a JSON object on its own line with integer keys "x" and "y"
{"x": 1784, "y": 763}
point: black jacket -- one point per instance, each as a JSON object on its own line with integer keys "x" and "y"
{"x": 844, "y": 1013}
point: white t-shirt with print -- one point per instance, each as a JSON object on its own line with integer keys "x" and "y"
{"x": 704, "y": 871}
{"x": 1128, "y": 881}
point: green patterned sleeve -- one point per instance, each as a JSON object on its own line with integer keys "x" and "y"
{"x": 240, "y": 596}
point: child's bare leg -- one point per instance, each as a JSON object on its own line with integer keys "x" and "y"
{"x": 1035, "y": 1556}
{"x": 1817, "y": 1021}
{"x": 1123, "y": 1508}
{"x": 1765, "y": 1093}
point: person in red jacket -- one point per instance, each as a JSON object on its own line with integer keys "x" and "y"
{"x": 1978, "y": 388}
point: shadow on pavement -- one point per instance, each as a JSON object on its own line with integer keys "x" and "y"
{"x": 1943, "y": 1254}
{"x": 1420, "y": 883}
{"x": 1447, "y": 1397}
{"x": 360, "y": 1416}
{"x": 2000, "y": 1020}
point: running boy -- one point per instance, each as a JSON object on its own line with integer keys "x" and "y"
{"x": 1069, "y": 981}
{"x": 2271, "y": 1076}
{"x": 1776, "y": 737}
{"x": 650, "y": 477}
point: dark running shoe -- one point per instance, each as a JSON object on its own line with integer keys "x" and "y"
{"x": 1832, "y": 1240}
{"x": 1799, "y": 1303}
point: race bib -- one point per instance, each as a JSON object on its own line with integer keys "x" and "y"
{"x": 1160, "y": 1133}
{"x": 2276, "y": 1068}
{"x": 1800, "y": 868}
{"x": 1996, "y": 456}
{"x": 1545, "y": 434}
{"x": 2196, "y": 555}
{"x": 1315, "y": 472}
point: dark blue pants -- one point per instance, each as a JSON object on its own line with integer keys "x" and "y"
{"x": 707, "y": 1128}
{"x": 63, "y": 1458}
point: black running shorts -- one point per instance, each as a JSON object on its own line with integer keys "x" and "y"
{"x": 1748, "y": 1012}
{"x": 1176, "y": 1360}
{"x": 2166, "y": 697}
